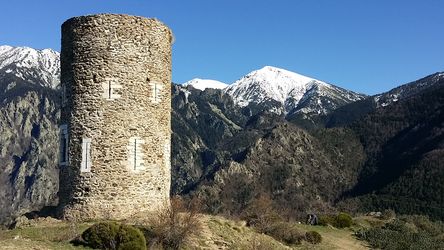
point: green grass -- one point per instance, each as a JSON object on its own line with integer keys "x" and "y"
{"x": 217, "y": 232}
{"x": 235, "y": 235}
{"x": 55, "y": 235}
{"x": 332, "y": 238}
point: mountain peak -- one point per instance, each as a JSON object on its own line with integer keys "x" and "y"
{"x": 284, "y": 92}
{"x": 5, "y": 48}
{"x": 275, "y": 72}
{"x": 203, "y": 84}
{"x": 270, "y": 73}
{"x": 269, "y": 83}
{"x": 32, "y": 65}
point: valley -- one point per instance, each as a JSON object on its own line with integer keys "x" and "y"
{"x": 305, "y": 145}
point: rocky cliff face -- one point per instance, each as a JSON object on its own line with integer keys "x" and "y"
{"x": 286, "y": 164}
{"x": 28, "y": 148}
{"x": 228, "y": 154}
{"x": 201, "y": 120}
{"x": 29, "y": 112}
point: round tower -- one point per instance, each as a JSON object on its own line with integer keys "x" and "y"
{"x": 116, "y": 116}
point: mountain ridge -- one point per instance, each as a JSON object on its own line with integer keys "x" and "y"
{"x": 282, "y": 92}
{"x": 220, "y": 150}
{"x": 203, "y": 84}
{"x": 35, "y": 66}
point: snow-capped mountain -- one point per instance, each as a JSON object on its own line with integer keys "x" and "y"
{"x": 203, "y": 84}
{"x": 285, "y": 92}
{"x": 34, "y": 66}
{"x": 409, "y": 89}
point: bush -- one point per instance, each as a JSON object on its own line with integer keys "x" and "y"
{"x": 340, "y": 221}
{"x": 388, "y": 214}
{"x": 313, "y": 237}
{"x": 403, "y": 234}
{"x": 110, "y": 235}
{"x": 130, "y": 238}
{"x": 423, "y": 223}
{"x": 286, "y": 232}
{"x": 175, "y": 224}
{"x": 261, "y": 215}
{"x": 101, "y": 235}
{"x": 325, "y": 220}
{"x": 343, "y": 220}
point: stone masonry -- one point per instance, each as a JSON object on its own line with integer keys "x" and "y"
{"x": 116, "y": 116}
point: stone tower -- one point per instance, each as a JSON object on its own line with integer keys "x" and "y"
{"x": 116, "y": 116}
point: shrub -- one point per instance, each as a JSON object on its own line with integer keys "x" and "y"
{"x": 286, "y": 232}
{"x": 325, "y": 220}
{"x": 237, "y": 192}
{"x": 340, "y": 221}
{"x": 130, "y": 238}
{"x": 261, "y": 215}
{"x": 175, "y": 224}
{"x": 101, "y": 235}
{"x": 110, "y": 235}
{"x": 399, "y": 234}
{"x": 343, "y": 220}
{"x": 313, "y": 237}
{"x": 388, "y": 214}
{"x": 423, "y": 223}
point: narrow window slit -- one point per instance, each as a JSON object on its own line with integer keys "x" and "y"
{"x": 86, "y": 163}
{"x": 135, "y": 154}
{"x": 109, "y": 89}
{"x": 64, "y": 144}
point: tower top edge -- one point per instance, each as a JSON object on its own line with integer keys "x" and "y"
{"x": 114, "y": 17}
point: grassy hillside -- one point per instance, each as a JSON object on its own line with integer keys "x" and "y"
{"x": 216, "y": 233}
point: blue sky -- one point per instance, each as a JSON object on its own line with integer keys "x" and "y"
{"x": 365, "y": 46}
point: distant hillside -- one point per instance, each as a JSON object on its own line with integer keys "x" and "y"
{"x": 351, "y": 112}
{"x": 372, "y": 155}
{"x": 404, "y": 144}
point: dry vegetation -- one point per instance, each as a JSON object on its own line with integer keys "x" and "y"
{"x": 215, "y": 233}
{"x": 181, "y": 226}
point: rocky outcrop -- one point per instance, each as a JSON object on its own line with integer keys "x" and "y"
{"x": 227, "y": 154}
{"x": 28, "y": 152}
{"x": 201, "y": 120}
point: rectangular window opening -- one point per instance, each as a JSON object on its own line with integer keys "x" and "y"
{"x": 156, "y": 92}
{"x": 86, "y": 155}
{"x": 111, "y": 88}
{"x": 135, "y": 154}
{"x": 64, "y": 145}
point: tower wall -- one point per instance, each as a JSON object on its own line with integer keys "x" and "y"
{"x": 116, "y": 116}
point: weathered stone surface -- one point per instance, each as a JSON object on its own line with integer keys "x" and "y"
{"x": 28, "y": 150}
{"x": 116, "y": 79}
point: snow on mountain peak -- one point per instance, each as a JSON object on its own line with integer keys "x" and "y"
{"x": 273, "y": 73}
{"x": 203, "y": 84}
{"x": 407, "y": 90}
{"x": 30, "y": 64}
{"x": 270, "y": 83}
{"x": 4, "y": 48}
{"x": 285, "y": 92}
